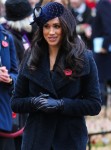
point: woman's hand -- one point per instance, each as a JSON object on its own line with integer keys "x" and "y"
{"x": 36, "y": 101}
{"x": 50, "y": 105}
{"x": 47, "y": 104}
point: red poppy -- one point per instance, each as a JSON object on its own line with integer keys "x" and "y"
{"x": 68, "y": 72}
{"x": 4, "y": 43}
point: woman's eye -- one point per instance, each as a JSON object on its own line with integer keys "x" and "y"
{"x": 46, "y": 26}
{"x": 57, "y": 26}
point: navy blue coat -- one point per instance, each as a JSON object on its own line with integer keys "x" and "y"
{"x": 8, "y": 59}
{"x": 66, "y": 130}
{"x": 102, "y": 28}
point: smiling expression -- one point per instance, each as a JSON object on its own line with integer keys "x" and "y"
{"x": 52, "y": 32}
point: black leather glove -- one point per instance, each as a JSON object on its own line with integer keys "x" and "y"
{"x": 51, "y": 105}
{"x": 36, "y": 101}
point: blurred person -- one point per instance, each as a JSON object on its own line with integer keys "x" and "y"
{"x": 8, "y": 74}
{"x": 17, "y": 21}
{"x": 57, "y": 84}
{"x": 84, "y": 20}
{"x": 91, "y": 3}
{"x": 101, "y": 35}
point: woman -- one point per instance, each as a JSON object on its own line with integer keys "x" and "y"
{"x": 57, "y": 84}
{"x": 8, "y": 74}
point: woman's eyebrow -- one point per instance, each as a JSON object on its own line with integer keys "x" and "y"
{"x": 52, "y": 23}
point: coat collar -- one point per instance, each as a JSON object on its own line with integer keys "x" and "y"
{"x": 42, "y": 75}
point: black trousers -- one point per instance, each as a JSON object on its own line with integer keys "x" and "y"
{"x": 2, "y": 143}
{"x": 7, "y": 143}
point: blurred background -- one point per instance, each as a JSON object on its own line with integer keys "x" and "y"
{"x": 94, "y": 27}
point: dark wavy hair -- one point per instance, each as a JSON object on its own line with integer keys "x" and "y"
{"x": 71, "y": 51}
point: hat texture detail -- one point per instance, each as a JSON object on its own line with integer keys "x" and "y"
{"x": 49, "y": 11}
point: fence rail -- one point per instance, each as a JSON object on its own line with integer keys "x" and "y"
{"x": 98, "y": 133}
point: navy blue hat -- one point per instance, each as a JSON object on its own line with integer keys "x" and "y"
{"x": 49, "y": 11}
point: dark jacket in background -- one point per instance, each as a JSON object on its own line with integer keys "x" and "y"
{"x": 19, "y": 45}
{"x": 102, "y": 23}
{"x": 102, "y": 28}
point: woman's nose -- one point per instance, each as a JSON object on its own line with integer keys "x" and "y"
{"x": 51, "y": 31}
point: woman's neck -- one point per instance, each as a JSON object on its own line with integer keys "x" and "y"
{"x": 53, "y": 51}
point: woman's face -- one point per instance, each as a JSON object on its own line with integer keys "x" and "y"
{"x": 52, "y": 32}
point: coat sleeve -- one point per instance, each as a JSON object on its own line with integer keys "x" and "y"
{"x": 21, "y": 101}
{"x": 90, "y": 101}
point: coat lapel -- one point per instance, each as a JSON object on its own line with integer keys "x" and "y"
{"x": 60, "y": 81}
{"x": 41, "y": 76}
